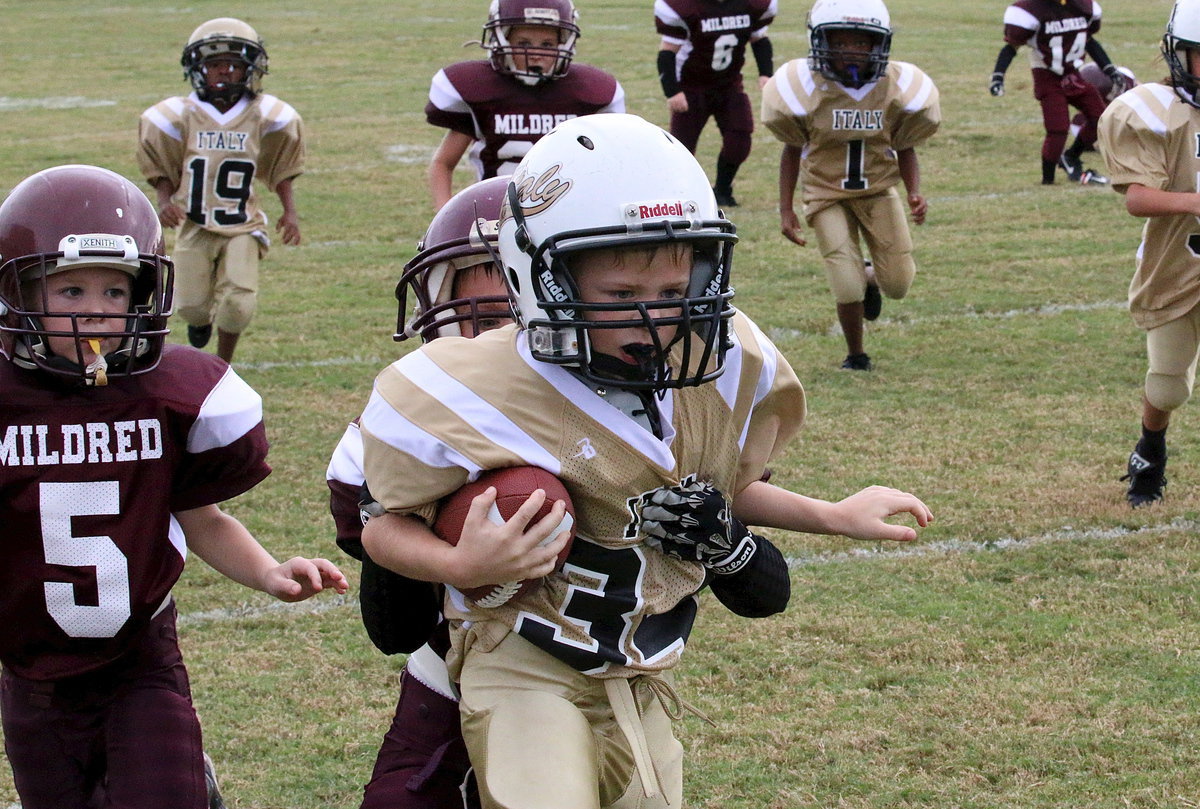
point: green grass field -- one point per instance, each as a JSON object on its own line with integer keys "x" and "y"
{"x": 1036, "y": 647}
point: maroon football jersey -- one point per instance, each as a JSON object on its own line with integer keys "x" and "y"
{"x": 712, "y": 35}
{"x": 89, "y": 480}
{"x": 505, "y": 116}
{"x": 1056, "y": 33}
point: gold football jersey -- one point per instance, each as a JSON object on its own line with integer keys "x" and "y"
{"x": 1151, "y": 137}
{"x": 440, "y": 415}
{"x": 849, "y": 137}
{"x": 216, "y": 157}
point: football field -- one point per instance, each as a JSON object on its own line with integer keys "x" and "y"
{"x": 1037, "y": 646}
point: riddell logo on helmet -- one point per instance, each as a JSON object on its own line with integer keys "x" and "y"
{"x": 660, "y": 209}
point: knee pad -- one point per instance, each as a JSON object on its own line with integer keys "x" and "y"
{"x": 1167, "y": 392}
{"x": 537, "y": 751}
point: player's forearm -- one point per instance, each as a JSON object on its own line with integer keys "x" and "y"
{"x": 1141, "y": 200}
{"x": 910, "y": 170}
{"x": 287, "y": 197}
{"x": 227, "y": 546}
{"x": 765, "y": 505}
{"x": 789, "y": 173}
{"x": 1004, "y": 59}
{"x": 406, "y": 545}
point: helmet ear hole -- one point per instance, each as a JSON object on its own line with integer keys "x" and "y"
{"x": 514, "y": 280}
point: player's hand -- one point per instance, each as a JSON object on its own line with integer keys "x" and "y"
{"x": 677, "y": 103}
{"x": 488, "y": 553}
{"x": 918, "y": 206}
{"x": 170, "y": 215}
{"x": 1119, "y": 80}
{"x": 862, "y": 514}
{"x": 789, "y": 226}
{"x": 996, "y": 86}
{"x": 289, "y": 228}
{"x": 694, "y": 522}
{"x": 299, "y": 578}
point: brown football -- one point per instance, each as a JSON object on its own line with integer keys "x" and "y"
{"x": 513, "y": 485}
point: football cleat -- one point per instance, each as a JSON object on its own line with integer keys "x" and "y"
{"x": 872, "y": 299}
{"x": 1146, "y": 480}
{"x": 857, "y": 362}
{"x": 1090, "y": 177}
{"x": 725, "y": 198}
{"x": 210, "y": 780}
{"x": 1076, "y": 173}
{"x": 199, "y": 336}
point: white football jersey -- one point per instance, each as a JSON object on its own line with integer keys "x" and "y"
{"x": 442, "y": 414}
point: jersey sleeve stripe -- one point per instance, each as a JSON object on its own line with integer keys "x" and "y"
{"x": 787, "y": 91}
{"x": 231, "y": 410}
{"x": 162, "y": 123}
{"x": 346, "y": 464}
{"x": 1015, "y": 15}
{"x": 382, "y": 422}
{"x": 444, "y": 95}
{"x": 489, "y": 420}
{"x": 669, "y": 17}
{"x": 618, "y": 100}
{"x": 1154, "y": 123}
{"x": 921, "y": 99}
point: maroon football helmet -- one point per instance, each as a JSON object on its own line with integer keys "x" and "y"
{"x": 79, "y": 216}
{"x": 461, "y": 235}
{"x": 504, "y": 14}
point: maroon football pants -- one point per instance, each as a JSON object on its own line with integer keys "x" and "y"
{"x": 422, "y": 763}
{"x": 729, "y": 106}
{"x": 1057, "y": 94}
{"x": 123, "y": 737}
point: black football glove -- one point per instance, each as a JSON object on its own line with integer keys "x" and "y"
{"x": 1120, "y": 82}
{"x": 693, "y": 522}
{"x": 996, "y": 87}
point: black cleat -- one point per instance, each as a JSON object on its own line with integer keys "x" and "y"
{"x": 199, "y": 336}
{"x": 725, "y": 198}
{"x": 872, "y": 300}
{"x": 210, "y": 780}
{"x": 857, "y": 362}
{"x": 1146, "y": 480}
{"x": 1076, "y": 173}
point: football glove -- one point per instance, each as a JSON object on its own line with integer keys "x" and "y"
{"x": 694, "y": 522}
{"x": 1119, "y": 81}
{"x": 996, "y": 87}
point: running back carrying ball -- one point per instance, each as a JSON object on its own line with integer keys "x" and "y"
{"x": 513, "y": 487}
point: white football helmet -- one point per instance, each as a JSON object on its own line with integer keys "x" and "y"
{"x": 612, "y": 181}
{"x": 503, "y": 15}
{"x": 868, "y": 16}
{"x": 1183, "y": 34}
{"x": 224, "y": 36}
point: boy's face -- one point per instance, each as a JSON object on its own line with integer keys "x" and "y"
{"x": 628, "y": 276}
{"x": 481, "y": 281}
{"x": 96, "y": 290}
{"x": 219, "y": 70}
{"x": 536, "y": 48}
{"x": 853, "y": 48}
{"x": 1193, "y": 61}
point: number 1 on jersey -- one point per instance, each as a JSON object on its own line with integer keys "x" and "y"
{"x": 856, "y": 166}
{"x": 232, "y": 183}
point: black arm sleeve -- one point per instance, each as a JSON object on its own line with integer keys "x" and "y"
{"x": 666, "y": 72}
{"x": 399, "y": 613}
{"x": 764, "y": 55}
{"x": 761, "y": 588}
{"x": 1096, "y": 51}
{"x": 1004, "y": 59}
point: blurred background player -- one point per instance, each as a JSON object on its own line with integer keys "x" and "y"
{"x": 500, "y": 106}
{"x": 136, "y": 445}
{"x": 700, "y": 67}
{"x": 850, "y": 120}
{"x": 1148, "y": 137}
{"x": 1059, "y": 33}
{"x": 617, "y": 259}
{"x": 452, "y": 287}
{"x": 202, "y": 154}
{"x": 1108, "y": 91}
